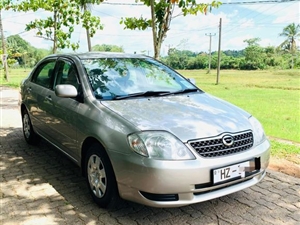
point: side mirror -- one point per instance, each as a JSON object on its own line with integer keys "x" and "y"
{"x": 65, "y": 91}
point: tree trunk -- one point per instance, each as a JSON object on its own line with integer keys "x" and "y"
{"x": 54, "y": 50}
{"x": 160, "y": 34}
{"x": 156, "y": 45}
{"x": 88, "y": 37}
{"x": 4, "y": 59}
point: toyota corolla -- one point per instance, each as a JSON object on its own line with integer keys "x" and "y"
{"x": 140, "y": 131}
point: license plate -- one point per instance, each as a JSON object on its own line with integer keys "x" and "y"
{"x": 233, "y": 171}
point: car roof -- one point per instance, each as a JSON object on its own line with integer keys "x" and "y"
{"x": 89, "y": 55}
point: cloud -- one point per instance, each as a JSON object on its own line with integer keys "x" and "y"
{"x": 286, "y": 12}
{"x": 265, "y": 42}
{"x": 246, "y": 23}
{"x": 14, "y": 23}
{"x": 236, "y": 43}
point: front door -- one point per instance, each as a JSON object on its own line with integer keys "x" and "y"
{"x": 64, "y": 116}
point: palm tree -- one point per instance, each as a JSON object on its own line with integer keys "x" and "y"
{"x": 291, "y": 32}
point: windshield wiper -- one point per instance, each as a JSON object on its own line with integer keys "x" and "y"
{"x": 187, "y": 90}
{"x": 142, "y": 94}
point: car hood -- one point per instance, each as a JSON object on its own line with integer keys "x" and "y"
{"x": 188, "y": 117}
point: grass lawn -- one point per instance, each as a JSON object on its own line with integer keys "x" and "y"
{"x": 15, "y": 76}
{"x": 271, "y": 96}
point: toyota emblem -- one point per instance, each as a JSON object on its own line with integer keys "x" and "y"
{"x": 227, "y": 140}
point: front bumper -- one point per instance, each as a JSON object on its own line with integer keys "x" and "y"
{"x": 177, "y": 183}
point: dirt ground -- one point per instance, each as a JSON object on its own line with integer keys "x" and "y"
{"x": 290, "y": 167}
{"x": 284, "y": 166}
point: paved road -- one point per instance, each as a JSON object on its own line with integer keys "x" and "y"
{"x": 41, "y": 186}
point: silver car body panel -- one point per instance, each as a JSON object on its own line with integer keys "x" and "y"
{"x": 193, "y": 116}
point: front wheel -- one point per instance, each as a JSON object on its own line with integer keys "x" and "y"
{"x": 101, "y": 178}
{"x": 30, "y": 136}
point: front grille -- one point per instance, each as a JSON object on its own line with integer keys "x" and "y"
{"x": 215, "y": 147}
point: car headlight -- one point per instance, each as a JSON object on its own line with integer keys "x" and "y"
{"x": 258, "y": 131}
{"x": 159, "y": 145}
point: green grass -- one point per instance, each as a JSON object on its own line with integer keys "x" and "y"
{"x": 271, "y": 96}
{"x": 15, "y": 77}
{"x": 288, "y": 151}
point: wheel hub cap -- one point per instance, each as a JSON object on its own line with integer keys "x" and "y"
{"x": 97, "y": 176}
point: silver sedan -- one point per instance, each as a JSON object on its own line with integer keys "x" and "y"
{"x": 140, "y": 131}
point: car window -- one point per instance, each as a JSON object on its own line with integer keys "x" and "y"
{"x": 44, "y": 74}
{"x": 67, "y": 73}
{"x": 110, "y": 77}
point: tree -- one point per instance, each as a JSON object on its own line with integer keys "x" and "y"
{"x": 161, "y": 12}
{"x": 17, "y": 43}
{"x": 85, "y": 5}
{"x": 59, "y": 27}
{"x": 20, "y": 50}
{"x": 107, "y": 48}
{"x": 253, "y": 55}
{"x": 23, "y": 52}
{"x": 290, "y": 32}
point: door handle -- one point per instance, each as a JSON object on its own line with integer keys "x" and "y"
{"x": 48, "y": 98}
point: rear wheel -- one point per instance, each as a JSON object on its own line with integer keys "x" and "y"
{"x": 30, "y": 136}
{"x": 101, "y": 178}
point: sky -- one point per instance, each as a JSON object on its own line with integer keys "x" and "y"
{"x": 239, "y": 22}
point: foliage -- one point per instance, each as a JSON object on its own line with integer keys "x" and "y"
{"x": 10, "y": 61}
{"x": 253, "y": 57}
{"x": 234, "y": 53}
{"x": 291, "y": 33}
{"x": 16, "y": 46}
{"x": 161, "y": 16}
{"x": 59, "y": 27}
{"x": 21, "y": 53}
{"x": 107, "y": 48}
{"x": 5, "y": 4}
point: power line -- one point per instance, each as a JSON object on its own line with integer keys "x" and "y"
{"x": 256, "y": 15}
{"x": 224, "y": 3}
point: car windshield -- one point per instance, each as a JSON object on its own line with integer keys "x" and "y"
{"x": 118, "y": 78}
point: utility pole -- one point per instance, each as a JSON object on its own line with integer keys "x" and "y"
{"x": 219, "y": 52}
{"x": 4, "y": 56}
{"x": 209, "y": 59}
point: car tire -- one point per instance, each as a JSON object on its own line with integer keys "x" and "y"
{"x": 30, "y": 136}
{"x": 100, "y": 178}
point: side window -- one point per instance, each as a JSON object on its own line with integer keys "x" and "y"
{"x": 67, "y": 74}
{"x": 45, "y": 74}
